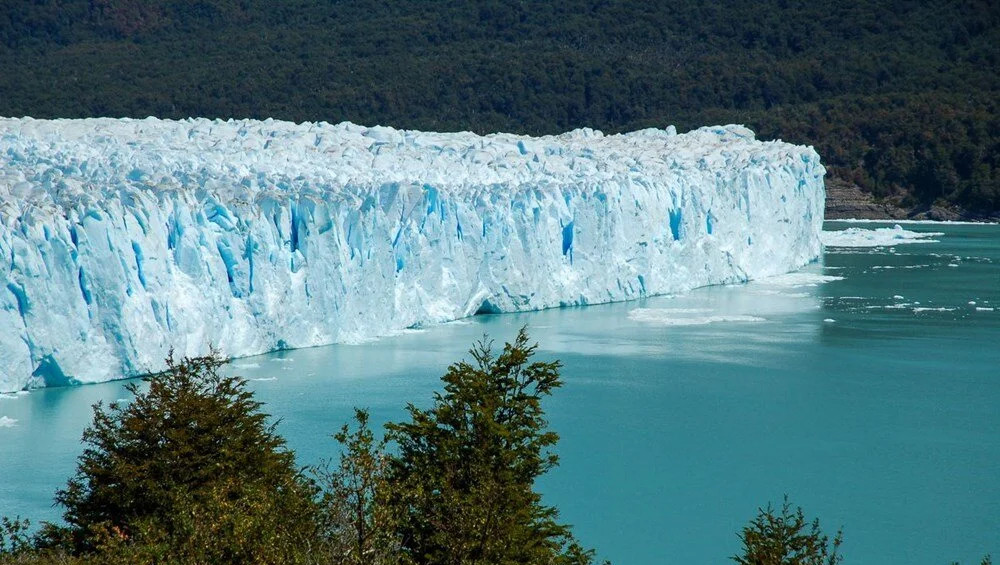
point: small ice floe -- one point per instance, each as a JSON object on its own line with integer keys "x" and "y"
{"x": 952, "y": 264}
{"x": 685, "y": 317}
{"x": 878, "y": 237}
{"x": 246, "y": 365}
{"x": 799, "y": 279}
{"x": 972, "y": 303}
{"x": 7, "y": 422}
{"x": 829, "y": 320}
{"x": 773, "y": 292}
{"x": 896, "y": 297}
{"x": 265, "y": 379}
{"x": 896, "y": 306}
{"x": 928, "y": 309}
{"x": 282, "y": 359}
{"x": 984, "y": 309}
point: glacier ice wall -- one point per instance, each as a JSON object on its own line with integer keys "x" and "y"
{"x": 121, "y": 239}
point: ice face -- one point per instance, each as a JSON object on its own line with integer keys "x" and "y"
{"x": 121, "y": 239}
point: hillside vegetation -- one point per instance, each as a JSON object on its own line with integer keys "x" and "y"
{"x": 899, "y": 97}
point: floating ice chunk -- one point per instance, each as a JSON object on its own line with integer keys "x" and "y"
{"x": 878, "y": 237}
{"x": 800, "y": 279}
{"x": 265, "y": 379}
{"x": 984, "y": 309}
{"x": 685, "y": 317}
{"x": 928, "y": 309}
{"x": 829, "y": 320}
{"x": 7, "y": 422}
{"x": 897, "y": 297}
{"x": 246, "y": 365}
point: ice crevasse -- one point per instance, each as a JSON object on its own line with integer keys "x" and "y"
{"x": 122, "y": 239}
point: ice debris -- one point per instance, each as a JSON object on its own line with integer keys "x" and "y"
{"x": 878, "y": 237}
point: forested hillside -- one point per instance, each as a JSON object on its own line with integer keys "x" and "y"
{"x": 899, "y": 97}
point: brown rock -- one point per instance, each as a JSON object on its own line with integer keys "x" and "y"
{"x": 845, "y": 200}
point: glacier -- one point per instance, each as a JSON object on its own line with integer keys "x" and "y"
{"x": 123, "y": 239}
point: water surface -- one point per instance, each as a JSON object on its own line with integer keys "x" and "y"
{"x": 866, "y": 388}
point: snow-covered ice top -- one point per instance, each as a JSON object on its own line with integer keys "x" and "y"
{"x": 120, "y": 239}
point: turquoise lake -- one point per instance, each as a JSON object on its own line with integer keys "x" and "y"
{"x": 867, "y": 388}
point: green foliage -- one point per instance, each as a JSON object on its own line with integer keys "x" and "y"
{"x": 787, "y": 539}
{"x": 189, "y": 470}
{"x": 987, "y": 560}
{"x": 356, "y": 522}
{"x": 463, "y": 478}
{"x": 898, "y": 97}
{"x": 14, "y": 538}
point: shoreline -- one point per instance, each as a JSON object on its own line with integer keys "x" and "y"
{"x": 926, "y": 222}
{"x": 846, "y": 201}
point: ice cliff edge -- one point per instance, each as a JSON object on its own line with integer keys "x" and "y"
{"x": 120, "y": 239}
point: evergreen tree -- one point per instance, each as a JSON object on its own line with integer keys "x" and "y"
{"x": 787, "y": 539}
{"x": 463, "y": 477}
{"x": 188, "y": 472}
{"x": 355, "y": 520}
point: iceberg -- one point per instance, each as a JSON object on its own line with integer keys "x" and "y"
{"x": 878, "y": 237}
{"x": 123, "y": 239}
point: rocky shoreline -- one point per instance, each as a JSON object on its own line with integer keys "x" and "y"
{"x": 845, "y": 200}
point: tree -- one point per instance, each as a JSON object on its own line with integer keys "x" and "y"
{"x": 987, "y": 560}
{"x": 786, "y": 539}
{"x": 355, "y": 520}
{"x": 189, "y": 470}
{"x": 463, "y": 478}
{"x": 14, "y": 538}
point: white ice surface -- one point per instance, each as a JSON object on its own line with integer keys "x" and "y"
{"x": 121, "y": 239}
{"x": 878, "y": 237}
{"x": 799, "y": 279}
{"x": 686, "y": 317}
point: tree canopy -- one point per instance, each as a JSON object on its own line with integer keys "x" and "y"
{"x": 190, "y": 469}
{"x": 463, "y": 478}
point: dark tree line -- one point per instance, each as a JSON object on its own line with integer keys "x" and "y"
{"x": 898, "y": 97}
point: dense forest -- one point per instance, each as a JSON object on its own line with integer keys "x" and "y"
{"x": 899, "y": 97}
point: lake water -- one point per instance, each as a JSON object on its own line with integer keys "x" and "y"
{"x": 866, "y": 388}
